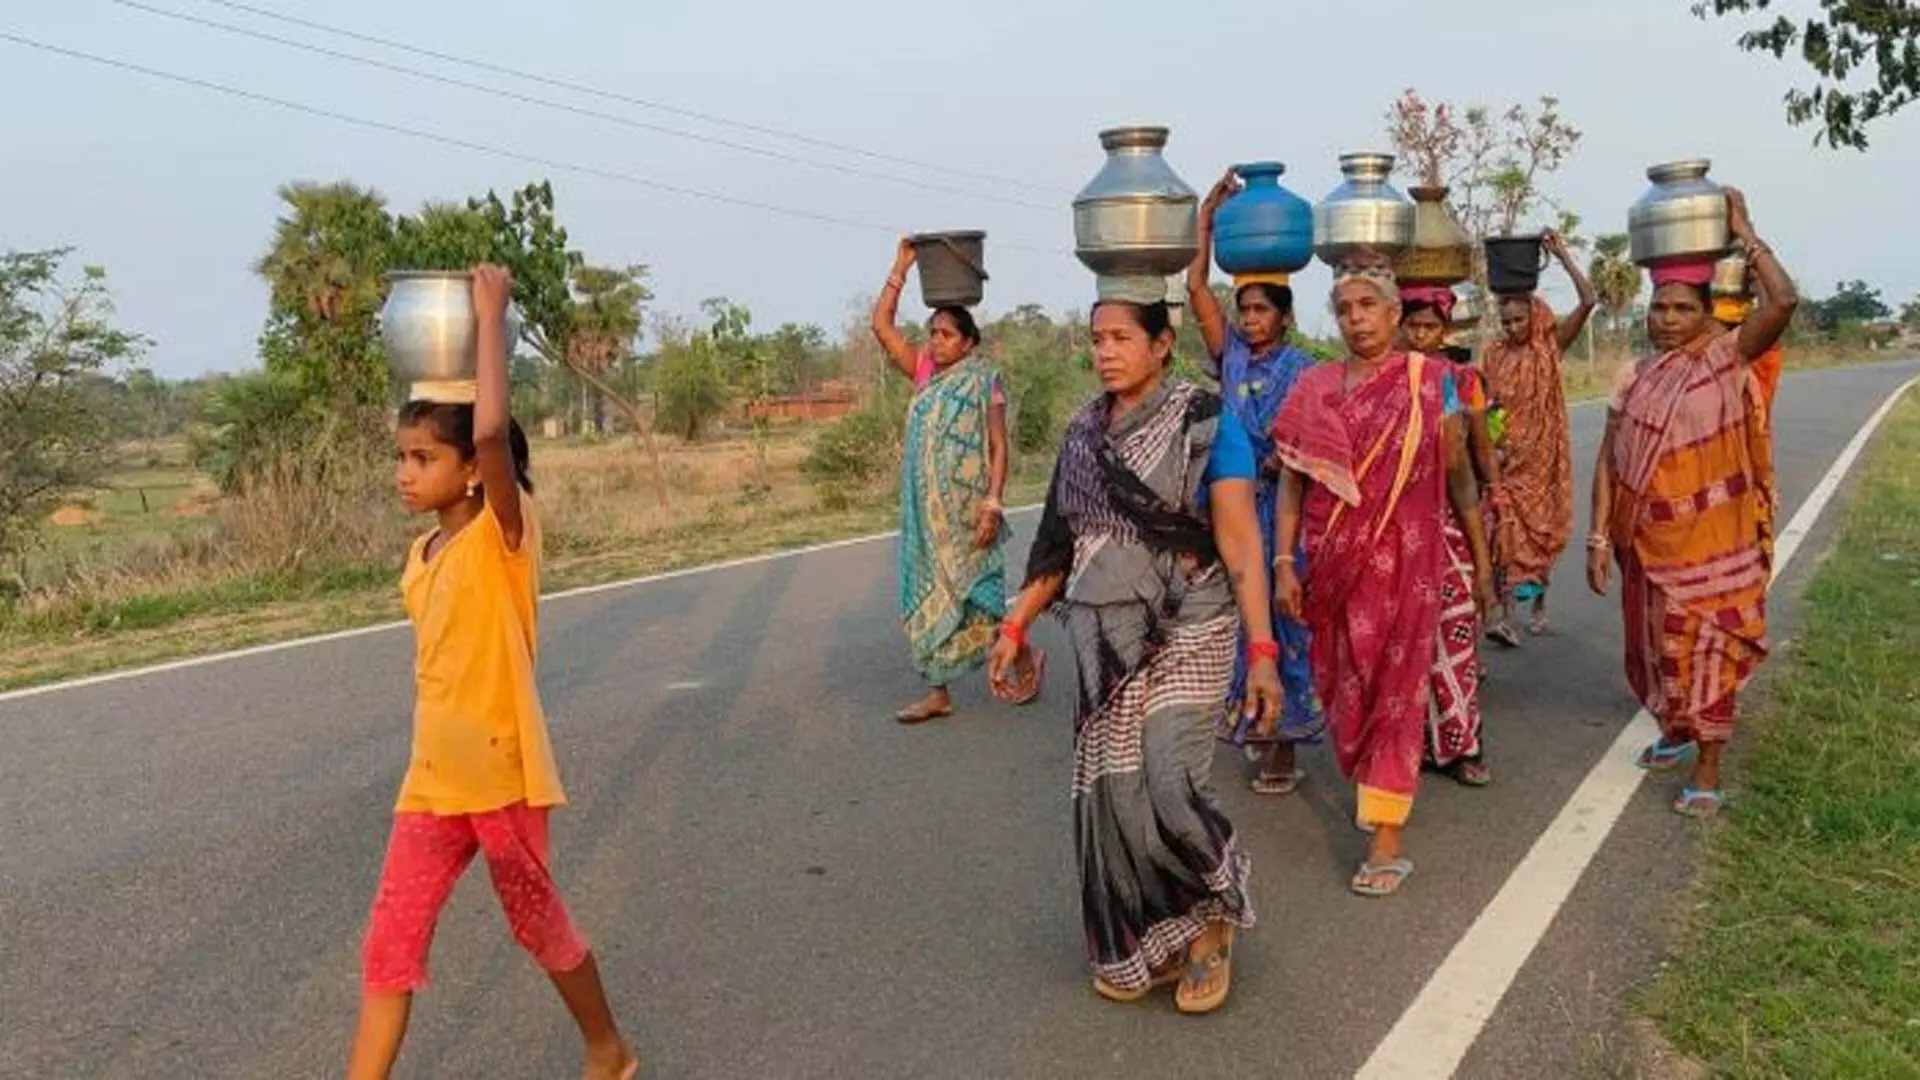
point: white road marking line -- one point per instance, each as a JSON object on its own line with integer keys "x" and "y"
{"x": 679, "y": 687}
{"x": 381, "y": 628}
{"x": 1435, "y": 1033}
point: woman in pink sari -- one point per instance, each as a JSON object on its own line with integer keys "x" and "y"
{"x": 1374, "y": 452}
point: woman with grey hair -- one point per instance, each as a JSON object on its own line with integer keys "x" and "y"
{"x": 1372, "y": 451}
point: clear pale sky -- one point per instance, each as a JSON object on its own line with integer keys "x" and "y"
{"x": 172, "y": 188}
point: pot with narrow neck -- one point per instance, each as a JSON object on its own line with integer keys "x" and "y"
{"x": 1442, "y": 252}
{"x": 1363, "y": 217}
{"x": 1264, "y": 229}
{"x": 429, "y": 329}
{"x": 1682, "y": 217}
{"x": 1136, "y": 217}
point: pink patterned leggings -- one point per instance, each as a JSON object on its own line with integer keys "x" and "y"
{"x": 426, "y": 855}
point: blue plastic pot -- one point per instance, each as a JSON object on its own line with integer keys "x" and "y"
{"x": 1265, "y": 229}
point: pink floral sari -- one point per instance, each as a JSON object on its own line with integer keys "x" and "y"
{"x": 1375, "y": 460}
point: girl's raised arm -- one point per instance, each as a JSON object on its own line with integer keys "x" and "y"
{"x": 492, "y": 443}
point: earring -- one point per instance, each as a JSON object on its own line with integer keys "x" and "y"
{"x": 473, "y": 488}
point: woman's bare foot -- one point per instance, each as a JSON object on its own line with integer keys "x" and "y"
{"x": 936, "y": 704}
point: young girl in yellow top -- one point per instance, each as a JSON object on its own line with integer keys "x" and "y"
{"x": 482, "y": 776}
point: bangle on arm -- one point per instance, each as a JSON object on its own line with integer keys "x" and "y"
{"x": 1599, "y": 541}
{"x": 1263, "y": 650}
{"x": 1013, "y": 632}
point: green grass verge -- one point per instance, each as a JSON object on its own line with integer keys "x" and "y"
{"x": 1803, "y": 957}
{"x": 240, "y": 612}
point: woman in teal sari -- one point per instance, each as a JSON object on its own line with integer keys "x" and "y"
{"x": 952, "y": 473}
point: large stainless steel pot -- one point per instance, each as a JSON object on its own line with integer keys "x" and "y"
{"x": 429, "y": 328}
{"x": 1136, "y": 217}
{"x": 1365, "y": 214}
{"x": 1682, "y": 216}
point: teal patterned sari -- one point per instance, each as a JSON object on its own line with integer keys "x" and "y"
{"x": 952, "y": 592}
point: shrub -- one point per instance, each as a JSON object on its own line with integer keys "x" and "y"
{"x": 855, "y": 453}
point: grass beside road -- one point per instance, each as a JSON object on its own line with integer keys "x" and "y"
{"x": 1802, "y": 959}
{"x": 157, "y": 566}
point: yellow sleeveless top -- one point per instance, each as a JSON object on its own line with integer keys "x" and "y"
{"x": 479, "y": 735}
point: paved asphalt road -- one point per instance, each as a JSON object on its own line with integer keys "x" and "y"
{"x": 780, "y": 881}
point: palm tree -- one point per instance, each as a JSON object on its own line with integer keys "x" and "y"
{"x": 323, "y": 273}
{"x": 328, "y": 251}
{"x": 1616, "y": 280}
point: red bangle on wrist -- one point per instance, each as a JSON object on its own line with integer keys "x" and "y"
{"x": 1013, "y": 632}
{"x": 1263, "y": 650}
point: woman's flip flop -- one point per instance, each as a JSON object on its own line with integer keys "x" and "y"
{"x": 1285, "y": 783}
{"x": 1699, "y": 803}
{"x": 1663, "y": 756}
{"x": 1395, "y": 872}
{"x": 1188, "y": 998}
{"x": 1127, "y": 997}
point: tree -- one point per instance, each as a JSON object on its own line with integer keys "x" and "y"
{"x": 529, "y": 241}
{"x": 609, "y": 311}
{"x": 1494, "y": 165}
{"x": 1616, "y": 281}
{"x": 1840, "y": 43}
{"x": 796, "y": 357}
{"x": 1910, "y": 314}
{"x": 688, "y": 387}
{"x": 56, "y": 341}
{"x": 1852, "y": 303}
{"x": 323, "y": 272}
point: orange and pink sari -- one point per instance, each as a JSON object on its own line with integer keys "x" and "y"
{"x": 1536, "y": 452}
{"x": 1376, "y": 464}
{"x": 1692, "y": 527}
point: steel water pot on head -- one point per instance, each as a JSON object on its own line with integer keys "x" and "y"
{"x": 1136, "y": 217}
{"x": 429, "y": 329}
{"x": 1364, "y": 217}
{"x": 1682, "y": 216}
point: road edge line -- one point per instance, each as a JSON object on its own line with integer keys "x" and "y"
{"x": 1436, "y": 1032}
{"x": 186, "y": 662}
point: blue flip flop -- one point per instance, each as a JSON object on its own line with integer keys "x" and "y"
{"x": 1396, "y": 873}
{"x": 1699, "y": 803}
{"x": 1662, "y": 756}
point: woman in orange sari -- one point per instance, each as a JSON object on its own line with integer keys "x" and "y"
{"x": 1373, "y": 454}
{"x": 1523, "y": 375}
{"x": 1683, "y": 499}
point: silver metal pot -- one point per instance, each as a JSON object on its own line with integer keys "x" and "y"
{"x": 1136, "y": 217}
{"x": 1730, "y": 276}
{"x": 1365, "y": 214}
{"x": 429, "y": 328}
{"x": 1683, "y": 215}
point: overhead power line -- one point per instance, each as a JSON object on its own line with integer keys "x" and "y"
{"x": 944, "y": 168}
{"x": 463, "y": 144}
{"x": 548, "y": 103}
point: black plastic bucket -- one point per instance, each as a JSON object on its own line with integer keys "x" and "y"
{"x": 1514, "y": 263}
{"x": 952, "y": 270}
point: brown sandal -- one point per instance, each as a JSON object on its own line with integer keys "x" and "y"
{"x": 1187, "y": 997}
{"x": 1127, "y": 997}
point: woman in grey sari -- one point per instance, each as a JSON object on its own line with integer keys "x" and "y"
{"x": 1150, "y": 553}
